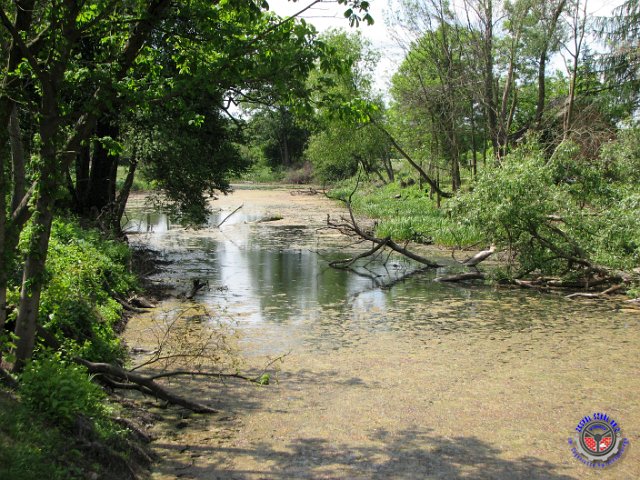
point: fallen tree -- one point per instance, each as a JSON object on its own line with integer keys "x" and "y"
{"x": 349, "y": 227}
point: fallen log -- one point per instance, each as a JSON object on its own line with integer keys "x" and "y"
{"x": 460, "y": 277}
{"x": 479, "y": 257}
{"x": 117, "y": 377}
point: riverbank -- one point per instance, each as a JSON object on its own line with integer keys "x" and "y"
{"x": 55, "y": 422}
{"x": 422, "y": 380}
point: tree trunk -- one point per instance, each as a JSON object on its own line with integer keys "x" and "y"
{"x": 24, "y": 15}
{"x": 123, "y": 196}
{"x": 104, "y": 166}
{"x": 542, "y": 61}
{"x": 388, "y": 167}
{"x": 4, "y": 254}
{"x": 488, "y": 73}
{"x": 17, "y": 159}
{"x": 33, "y": 271}
{"x": 83, "y": 163}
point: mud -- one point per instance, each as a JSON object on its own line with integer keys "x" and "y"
{"x": 422, "y": 380}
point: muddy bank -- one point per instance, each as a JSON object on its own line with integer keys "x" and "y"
{"x": 418, "y": 381}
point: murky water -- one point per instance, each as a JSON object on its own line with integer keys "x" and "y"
{"x": 389, "y": 375}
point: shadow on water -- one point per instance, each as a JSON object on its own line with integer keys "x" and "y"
{"x": 276, "y": 279}
{"x": 411, "y": 453}
{"x": 271, "y": 280}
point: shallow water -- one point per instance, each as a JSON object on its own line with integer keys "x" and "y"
{"x": 414, "y": 380}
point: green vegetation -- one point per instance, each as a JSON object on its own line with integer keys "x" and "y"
{"x": 559, "y": 216}
{"x": 406, "y": 213}
{"x": 36, "y": 444}
{"x": 30, "y": 448}
{"x": 100, "y": 98}
{"x": 140, "y": 183}
{"x": 49, "y": 427}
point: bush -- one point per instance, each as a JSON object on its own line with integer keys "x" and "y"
{"x": 554, "y": 213}
{"x": 60, "y": 392}
{"x": 84, "y": 270}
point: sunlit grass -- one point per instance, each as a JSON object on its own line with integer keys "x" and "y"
{"x": 407, "y": 214}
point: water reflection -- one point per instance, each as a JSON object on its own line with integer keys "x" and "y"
{"x": 273, "y": 280}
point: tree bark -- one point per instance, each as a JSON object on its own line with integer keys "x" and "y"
{"x": 102, "y": 180}
{"x": 82, "y": 167}
{"x": 418, "y": 168}
{"x": 114, "y": 376}
{"x": 33, "y": 271}
{"x": 24, "y": 15}
{"x": 123, "y": 196}
{"x": 17, "y": 159}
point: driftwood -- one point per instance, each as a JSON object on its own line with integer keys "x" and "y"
{"x": 117, "y": 377}
{"x": 471, "y": 262}
{"x": 196, "y": 286}
{"x": 229, "y": 216}
{"x": 604, "y": 293}
{"x": 140, "y": 302}
{"x": 270, "y": 218}
{"x": 461, "y": 277}
{"x": 309, "y": 191}
{"x": 349, "y": 226}
{"x": 479, "y": 257}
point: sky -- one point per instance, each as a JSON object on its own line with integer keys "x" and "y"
{"x": 329, "y": 14}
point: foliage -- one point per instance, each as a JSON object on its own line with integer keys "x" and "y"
{"x": 407, "y": 214}
{"x": 344, "y": 139}
{"x": 30, "y": 448}
{"x": 60, "y": 391}
{"x": 557, "y": 216}
{"x": 84, "y": 271}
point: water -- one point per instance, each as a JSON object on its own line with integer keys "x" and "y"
{"x": 472, "y": 357}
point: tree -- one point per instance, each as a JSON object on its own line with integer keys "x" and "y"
{"x": 73, "y": 65}
{"x": 622, "y": 63}
{"x": 344, "y": 139}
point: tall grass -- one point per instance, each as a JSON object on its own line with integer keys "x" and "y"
{"x": 407, "y": 213}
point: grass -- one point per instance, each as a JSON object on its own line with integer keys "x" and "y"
{"x": 31, "y": 449}
{"x": 407, "y": 214}
{"x": 259, "y": 173}
{"x": 35, "y": 447}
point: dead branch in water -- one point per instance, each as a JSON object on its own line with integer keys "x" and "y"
{"x": 117, "y": 377}
{"x": 228, "y": 216}
{"x": 349, "y": 227}
{"x": 461, "y": 277}
{"x": 184, "y": 349}
{"x": 602, "y": 294}
{"x": 472, "y": 263}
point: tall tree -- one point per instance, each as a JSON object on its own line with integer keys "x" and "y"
{"x": 69, "y": 98}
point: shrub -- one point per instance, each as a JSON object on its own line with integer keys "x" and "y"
{"x": 60, "y": 391}
{"x": 84, "y": 270}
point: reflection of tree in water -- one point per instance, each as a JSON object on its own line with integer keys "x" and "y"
{"x": 294, "y": 282}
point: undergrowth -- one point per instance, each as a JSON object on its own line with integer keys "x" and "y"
{"x": 406, "y": 213}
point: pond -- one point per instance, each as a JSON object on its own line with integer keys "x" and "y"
{"x": 386, "y": 374}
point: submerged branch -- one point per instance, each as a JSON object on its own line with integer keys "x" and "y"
{"x": 350, "y": 227}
